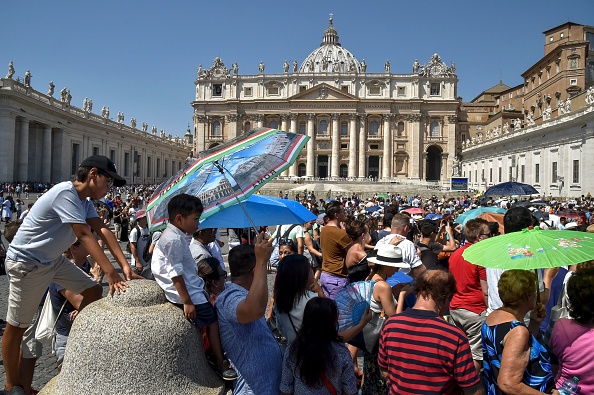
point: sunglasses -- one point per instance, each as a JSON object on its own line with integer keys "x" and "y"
{"x": 284, "y": 242}
{"x": 109, "y": 178}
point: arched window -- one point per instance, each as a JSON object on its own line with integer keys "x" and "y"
{"x": 374, "y": 128}
{"x": 400, "y": 128}
{"x": 216, "y": 129}
{"x": 246, "y": 127}
{"x": 344, "y": 171}
{"x": 434, "y": 131}
{"x": 301, "y": 170}
{"x": 323, "y": 127}
{"x": 273, "y": 125}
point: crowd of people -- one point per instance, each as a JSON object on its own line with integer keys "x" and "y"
{"x": 436, "y": 323}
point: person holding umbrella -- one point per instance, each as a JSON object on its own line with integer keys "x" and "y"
{"x": 514, "y": 362}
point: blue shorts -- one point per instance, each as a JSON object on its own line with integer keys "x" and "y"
{"x": 205, "y": 314}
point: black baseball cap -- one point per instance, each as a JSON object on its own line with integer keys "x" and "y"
{"x": 105, "y": 164}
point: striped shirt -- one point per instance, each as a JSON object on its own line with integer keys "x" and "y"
{"x": 423, "y": 354}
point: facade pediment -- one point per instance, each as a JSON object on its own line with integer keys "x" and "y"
{"x": 323, "y": 92}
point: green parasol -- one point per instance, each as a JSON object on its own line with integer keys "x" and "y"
{"x": 532, "y": 249}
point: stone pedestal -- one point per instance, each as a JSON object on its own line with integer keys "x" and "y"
{"x": 134, "y": 343}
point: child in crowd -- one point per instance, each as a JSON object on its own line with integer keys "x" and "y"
{"x": 176, "y": 272}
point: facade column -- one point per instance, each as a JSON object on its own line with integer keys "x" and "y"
{"x": 310, "y": 166}
{"x": 23, "y": 159}
{"x": 260, "y": 119}
{"x": 386, "y": 162}
{"x": 335, "y": 163}
{"x": 46, "y": 168}
{"x": 232, "y": 125}
{"x": 283, "y": 127}
{"x": 416, "y": 145}
{"x": 352, "y": 146}
{"x": 293, "y": 168}
{"x": 8, "y": 137}
{"x": 200, "y": 137}
{"x": 363, "y": 158}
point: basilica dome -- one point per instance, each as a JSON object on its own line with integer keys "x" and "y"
{"x": 330, "y": 57}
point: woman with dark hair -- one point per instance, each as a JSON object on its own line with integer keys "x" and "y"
{"x": 317, "y": 362}
{"x": 293, "y": 288}
{"x": 356, "y": 258}
{"x": 573, "y": 339}
{"x": 514, "y": 362}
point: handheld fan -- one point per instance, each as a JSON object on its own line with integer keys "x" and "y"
{"x": 352, "y": 302}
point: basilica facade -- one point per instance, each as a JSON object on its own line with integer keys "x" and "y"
{"x": 361, "y": 123}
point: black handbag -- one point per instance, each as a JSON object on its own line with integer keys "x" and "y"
{"x": 368, "y": 339}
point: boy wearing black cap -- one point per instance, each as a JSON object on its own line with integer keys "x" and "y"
{"x": 34, "y": 258}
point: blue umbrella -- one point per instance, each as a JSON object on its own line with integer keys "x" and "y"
{"x": 472, "y": 214}
{"x": 372, "y": 209}
{"x": 510, "y": 189}
{"x": 330, "y": 200}
{"x": 263, "y": 211}
{"x": 433, "y": 216}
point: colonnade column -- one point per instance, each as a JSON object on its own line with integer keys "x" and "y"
{"x": 335, "y": 161}
{"x": 310, "y": 166}
{"x": 293, "y": 168}
{"x": 7, "y": 136}
{"x": 260, "y": 119}
{"x": 386, "y": 160}
{"x": 46, "y": 168}
{"x": 362, "y": 145}
{"x": 352, "y": 146}
{"x": 23, "y": 159}
{"x": 283, "y": 127}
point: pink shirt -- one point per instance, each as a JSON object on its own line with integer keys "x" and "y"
{"x": 574, "y": 345}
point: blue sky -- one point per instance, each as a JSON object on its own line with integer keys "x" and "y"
{"x": 140, "y": 57}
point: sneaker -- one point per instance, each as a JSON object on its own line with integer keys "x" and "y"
{"x": 16, "y": 390}
{"x": 227, "y": 374}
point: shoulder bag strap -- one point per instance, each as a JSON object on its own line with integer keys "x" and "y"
{"x": 288, "y": 231}
{"x": 328, "y": 384}
{"x": 293, "y": 325}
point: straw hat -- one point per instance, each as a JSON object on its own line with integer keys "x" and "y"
{"x": 388, "y": 255}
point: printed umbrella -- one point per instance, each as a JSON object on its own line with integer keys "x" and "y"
{"x": 532, "y": 249}
{"x": 228, "y": 173}
{"x": 510, "y": 189}
{"x": 472, "y": 214}
{"x": 262, "y": 210}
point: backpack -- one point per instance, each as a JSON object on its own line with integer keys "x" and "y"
{"x": 145, "y": 253}
{"x": 128, "y": 249}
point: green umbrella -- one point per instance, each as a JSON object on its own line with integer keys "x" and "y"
{"x": 532, "y": 249}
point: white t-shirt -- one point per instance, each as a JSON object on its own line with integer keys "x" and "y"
{"x": 46, "y": 232}
{"x": 409, "y": 252}
{"x": 493, "y": 276}
{"x": 141, "y": 241}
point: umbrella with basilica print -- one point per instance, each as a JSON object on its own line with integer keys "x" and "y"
{"x": 228, "y": 173}
{"x": 532, "y": 249}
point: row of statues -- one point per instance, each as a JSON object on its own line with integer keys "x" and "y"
{"x": 88, "y": 105}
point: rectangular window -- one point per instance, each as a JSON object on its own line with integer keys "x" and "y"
{"x": 247, "y": 91}
{"x": 344, "y": 146}
{"x": 463, "y": 136}
{"x": 554, "y": 172}
{"x": 344, "y": 129}
{"x": 470, "y": 176}
{"x": 483, "y": 175}
{"x": 374, "y": 146}
{"x": 126, "y": 164}
{"x": 500, "y": 172}
{"x": 345, "y": 88}
{"x": 75, "y": 160}
{"x": 522, "y": 173}
{"x": 301, "y": 128}
{"x": 491, "y": 174}
{"x": 136, "y": 164}
{"x": 476, "y": 175}
{"x": 112, "y": 155}
{"x": 149, "y": 162}
{"x": 573, "y": 81}
{"x": 217, "y": 90}
{"x": 401, "y": 91}
{"x": 302, "y": 88}
{"x": 511, "y": 173}
{"x": 537, "y": 173}
{"x": 374, "y": 90}
{"x": 273, "y": 90}
{"x": 95, "y": 150}
{"x": 158, "y": 169}
{"x": 576, "y": 171}
{"x": 435, "y": 89}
